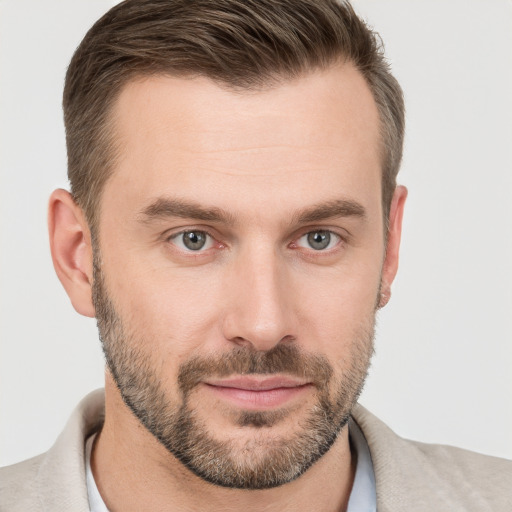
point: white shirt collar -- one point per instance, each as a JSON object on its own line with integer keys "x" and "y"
{"x": 363, "y": 497}
{"x": 96, "y": 503}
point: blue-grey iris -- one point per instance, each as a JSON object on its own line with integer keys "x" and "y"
{"x": 194, "y": 240}
{"x": 319, "y": 240}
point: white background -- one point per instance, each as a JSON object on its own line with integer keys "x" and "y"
{"x": 443, "y": 369}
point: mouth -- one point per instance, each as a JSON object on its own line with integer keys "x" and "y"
{"x": 255, "y": 393}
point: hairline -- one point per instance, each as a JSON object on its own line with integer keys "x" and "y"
{"x": 113, "y": 145}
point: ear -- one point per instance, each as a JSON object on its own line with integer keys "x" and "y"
{"x": 70, "y": 244}
{"x": 390, "y": 266}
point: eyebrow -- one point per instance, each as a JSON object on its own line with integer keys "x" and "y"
{"x": 164, "y": 207}
{"x": 338, "y": 208}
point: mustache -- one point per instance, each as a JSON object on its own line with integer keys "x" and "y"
{"x": 283, "y": 358}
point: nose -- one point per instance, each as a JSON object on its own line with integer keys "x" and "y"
{"x": 260, "y": 312}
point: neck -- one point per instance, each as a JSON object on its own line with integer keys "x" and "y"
{"x": 133, "y": 471}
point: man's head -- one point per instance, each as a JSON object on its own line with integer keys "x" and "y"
{"x": 239, "y": 254}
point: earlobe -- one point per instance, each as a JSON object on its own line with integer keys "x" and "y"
{"x": 70, "y": 244}
{"x": 390, "y": 266}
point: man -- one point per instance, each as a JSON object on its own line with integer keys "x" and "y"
{"x": 234, "y": 224}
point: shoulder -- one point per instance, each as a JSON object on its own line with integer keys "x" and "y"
{"x": 465, "y": 464}
{"x": 55, "y": 480}
{"x": 417, "y": 476}
{"x": 18, "y": 487}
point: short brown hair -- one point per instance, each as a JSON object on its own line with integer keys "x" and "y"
{"x": 242, "y": 44}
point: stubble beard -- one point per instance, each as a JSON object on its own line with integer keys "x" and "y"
{"x": 263, "y": 461}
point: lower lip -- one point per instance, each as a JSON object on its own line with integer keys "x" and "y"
{"x": 258, "y": 399}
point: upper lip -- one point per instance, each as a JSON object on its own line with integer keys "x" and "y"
{"x": 256, "y": 383}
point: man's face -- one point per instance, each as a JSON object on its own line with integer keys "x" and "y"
{"x": 238, "y": 269}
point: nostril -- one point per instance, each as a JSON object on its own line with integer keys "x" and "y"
{"x": 287, "y": 339}
{"x": 241, "y": 342}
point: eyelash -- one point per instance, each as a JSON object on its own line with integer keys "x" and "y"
{"x": 212, "y": 240}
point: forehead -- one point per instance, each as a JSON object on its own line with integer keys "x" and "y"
{"x": 192, "y": 136}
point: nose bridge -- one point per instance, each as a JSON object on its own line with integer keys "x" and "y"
{"x": 260, "y": 312}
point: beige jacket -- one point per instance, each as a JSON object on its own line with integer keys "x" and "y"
{"x": 410, "y": 476}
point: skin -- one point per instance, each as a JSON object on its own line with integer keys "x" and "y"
{"x": 264, "y": 158}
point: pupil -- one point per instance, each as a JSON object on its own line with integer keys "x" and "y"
{"x": 194, "y": 240}
{"x": 319, "y": 239}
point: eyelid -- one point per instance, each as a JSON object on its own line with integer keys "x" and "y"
{"x": 342, "y": 233}
{"x": 168, "y": 234}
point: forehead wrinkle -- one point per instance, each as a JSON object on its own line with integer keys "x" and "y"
{"x": 314, "y": 149}
{"x": 256, "y": 160}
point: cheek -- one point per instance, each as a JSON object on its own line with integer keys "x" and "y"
{"x": 338, "y": 309}
{"x": 172, "y": 312}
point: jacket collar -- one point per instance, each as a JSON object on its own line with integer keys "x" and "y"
{"x": 64, "y": 463}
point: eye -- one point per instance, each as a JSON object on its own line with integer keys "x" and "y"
{"x": 319, "y": 240}
{"x": 193, "y": 240}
